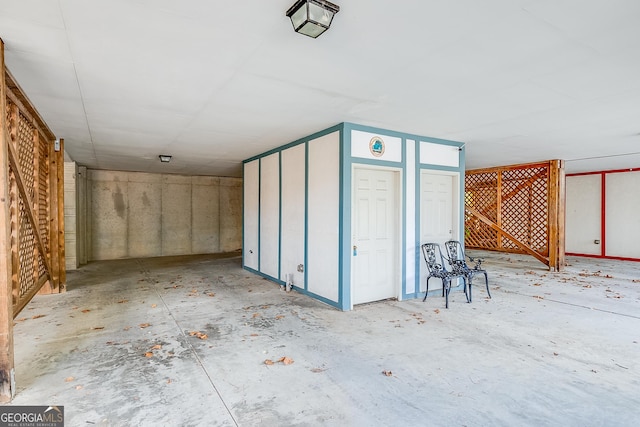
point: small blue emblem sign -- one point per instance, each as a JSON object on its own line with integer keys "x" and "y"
{"x": 376, "y": 146}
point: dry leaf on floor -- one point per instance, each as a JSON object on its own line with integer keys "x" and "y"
{"x": 436, "y": 311}
{"x": 122, "y": 301}
{"x": 144, "y": 325}
{"x": 286, "y": 360}
{"x": 156, "y": 347}
{"x": 154, "y": 305}
{"x": 198, "y": 334}
{"x": 318, "y": 370}
{"x": 255, "y": 315}
{"x": 126, "y": 328}
{"x": 268, "y": 362}
{"x": 37, "y": 316}
{"x": 387, "y": 373}
{"x": 21, "y": 320}
{"x": 68, "y": 379}
{"x": 78, "y": 387}
{"x": 97, "y": 328}
{"x": 148, "y": 354}
{"x": 254, "y": 335}
{"x": 555, "y": 354}
{"x": 211, "y": 294}
{"x": 278, "y": 317}
{"x": 537, "y": 284}
{"x": 86, "y": 310}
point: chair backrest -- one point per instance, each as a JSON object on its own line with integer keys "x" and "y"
{"x": 433, "y": 257}
{"x": 455, "y": 253}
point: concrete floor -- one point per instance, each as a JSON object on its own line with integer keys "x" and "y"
{"x": 124, "y": 347}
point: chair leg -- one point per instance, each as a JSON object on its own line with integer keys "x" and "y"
{"x": 466, "y": 293}
{"x": 486, "y": 282}
{"x": 427, "y": 291}
{"x": 470, "y": 284}
{"x": 446, "y": 288}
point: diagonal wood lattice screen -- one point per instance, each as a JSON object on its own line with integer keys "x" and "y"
{"x": 33, "y": 198}
{"x": 31, "y": 214}
{"x": 517, "y": 209}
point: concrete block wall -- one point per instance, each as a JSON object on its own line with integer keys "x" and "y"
{"x": 70, "y": 216}
{"x": 137, "y": 215}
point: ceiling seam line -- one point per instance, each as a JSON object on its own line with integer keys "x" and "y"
{"x": 75, "y": 72}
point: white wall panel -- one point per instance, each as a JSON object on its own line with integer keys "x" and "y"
{"x": 438, "y": 154}
{"x": 622, "y": 218}
{"x": 251, "y": 194}
{"x": 323, "y": 222}
{"x": 360, "y": 146}
{"x": 293, "y": 212}
{"x": 583, "y": 211}
{"x": 270, "y": 214}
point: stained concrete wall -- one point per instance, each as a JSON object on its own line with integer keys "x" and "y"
{"x": 137, "y": 215}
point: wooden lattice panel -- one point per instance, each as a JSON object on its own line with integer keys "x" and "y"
{"x": 524, "y": 212}
{"x": 481, "y": 194}
{"x": 32, "y": 217}
{"x": 26, "y": 252}
{"x": 43, "y": 192}
{"x": 26, "y": 133}
{"x": 508, "y": 209}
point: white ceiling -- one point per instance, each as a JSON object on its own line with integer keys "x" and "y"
{"x": 215, "y": 82}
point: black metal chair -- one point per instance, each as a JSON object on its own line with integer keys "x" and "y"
{"x": 431, "y": 253}
{"x": 456, "y": 259}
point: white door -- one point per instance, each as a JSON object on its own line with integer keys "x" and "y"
{"x": 436, "y": 214}
{"x": 375, "y": 235}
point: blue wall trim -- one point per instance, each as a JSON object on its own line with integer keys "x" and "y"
{"x": 425, "y": 166}
{"x": 373, "y": 162}
{"x": 244, "y": 261}
{"x": 296, "y": 288}
{"x": 418, "y": 253}
{"x": 403, "y": 213}
{"x": 345, "y": 220}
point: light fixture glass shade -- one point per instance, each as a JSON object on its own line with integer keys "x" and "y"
{"x": 312, "y": 17}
